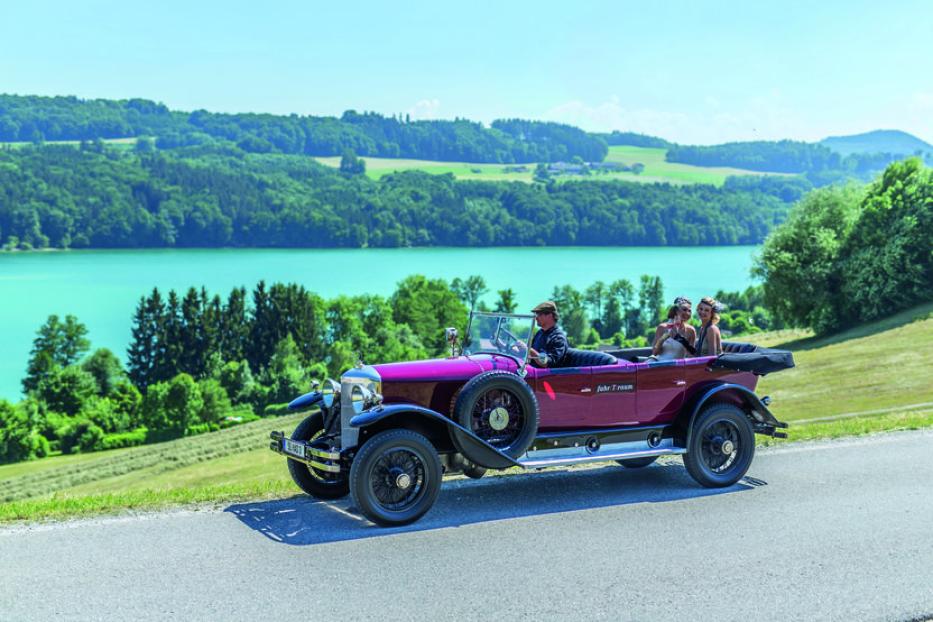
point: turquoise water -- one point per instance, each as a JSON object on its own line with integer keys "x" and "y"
{"x": 102, "y": 287}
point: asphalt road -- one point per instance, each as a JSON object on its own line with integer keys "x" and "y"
{"x": 832, "y": 531}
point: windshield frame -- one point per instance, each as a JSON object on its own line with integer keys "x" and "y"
{"x": 522, "y": 361}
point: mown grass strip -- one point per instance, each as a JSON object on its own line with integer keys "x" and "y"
{"x": 854, "y": 426}
{"x": 60, "y": 506}
{"x": 155, "y": 458}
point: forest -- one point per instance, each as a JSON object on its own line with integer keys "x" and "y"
{"x": 97, "y": 196}
{"x": 820, "y": 164}
{"x": 35, "y": 119}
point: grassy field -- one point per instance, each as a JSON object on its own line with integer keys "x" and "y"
{"x": 656, "y": 169}
{"x": 868, "y": 379}
{"x": 884, "y": 365}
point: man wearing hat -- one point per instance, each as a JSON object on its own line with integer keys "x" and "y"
{"x": 549, "y": 347}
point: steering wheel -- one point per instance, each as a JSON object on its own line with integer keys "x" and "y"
{"x": 512, "y": 343}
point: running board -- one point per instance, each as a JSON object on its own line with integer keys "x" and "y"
{"x": 566, "y": 456}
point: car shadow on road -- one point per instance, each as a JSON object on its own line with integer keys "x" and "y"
{"x": 302, "y": 520}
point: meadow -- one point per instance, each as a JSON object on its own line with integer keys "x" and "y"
{"x": 868, "y": 379}
{"x": 657, "y": 170}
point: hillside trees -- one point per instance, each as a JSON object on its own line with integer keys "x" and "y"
{"x": 849, "y": 254}
{"x": 68, "y": 197}
{"x": 37, "y": 119}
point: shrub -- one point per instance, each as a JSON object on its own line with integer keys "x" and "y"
{"x": 81, "y": 436}
{"x": 124, "y": 439}
{"x": 275, "y": 410}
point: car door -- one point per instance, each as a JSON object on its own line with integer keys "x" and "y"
{"x": 660, "y": 391}
{"x": 563, "y": 395}
{"x": 614, "y": 395}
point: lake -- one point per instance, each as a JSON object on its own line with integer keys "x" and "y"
{"x": 102, "y": 287}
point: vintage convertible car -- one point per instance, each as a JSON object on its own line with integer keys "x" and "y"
{"x": 386, "y": 434}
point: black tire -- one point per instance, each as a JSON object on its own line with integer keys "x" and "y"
{"x": 316, "y": 483}
{"x": 375, "y": 477}
{"x": 709, "y": 460}
{"x": 637, "y": 463}
{"x": 493, "y": 399}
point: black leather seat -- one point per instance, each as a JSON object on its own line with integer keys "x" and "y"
{"x": 588, "y": 358}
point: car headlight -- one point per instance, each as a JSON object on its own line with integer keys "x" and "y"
{"x": 362, "y": 398}
{"x": 330, "y": 389}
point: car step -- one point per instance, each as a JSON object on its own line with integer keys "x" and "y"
{"x": 564, "y": 456}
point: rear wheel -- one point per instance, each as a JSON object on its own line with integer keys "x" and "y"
{"x": 320, "y": 484}
{"x": 395, "y": 477}
{"x": 637, "y": 463}
{"x": 722, "y": 446}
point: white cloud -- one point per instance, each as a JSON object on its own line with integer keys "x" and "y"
{"x": 425, "y": 109}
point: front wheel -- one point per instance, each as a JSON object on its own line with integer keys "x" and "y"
{"x": 395, "y": 477}
{"x": 722, "y": 446}
{"x": 320, "y": 484}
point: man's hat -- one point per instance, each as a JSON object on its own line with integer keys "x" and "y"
{"x": 547, "y": 306}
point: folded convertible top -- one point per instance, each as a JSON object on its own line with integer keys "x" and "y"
{"x": 756, "y": 359}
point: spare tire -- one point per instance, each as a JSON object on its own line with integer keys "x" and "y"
{"x": 500, "y": 408}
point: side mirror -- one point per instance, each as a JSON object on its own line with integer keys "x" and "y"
{"x": 451, "y": 335}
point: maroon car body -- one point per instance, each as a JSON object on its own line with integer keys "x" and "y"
{"x": 386, "y": 433}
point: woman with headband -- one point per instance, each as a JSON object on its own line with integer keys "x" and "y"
{"x": 709, "y": 341}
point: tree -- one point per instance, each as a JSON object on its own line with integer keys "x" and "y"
{"x": 651, "y": 299}
{"x": 106, "y": 369}
{"x": 506, "y": 302}
{"x": 285, "y": 375}
{"x": 17, "y": 440}
{"x": 57, "y": 344}
{"x": 146, "y": 349}
{"x": 66, "y": 390}
{"x": 571, "y": 305}
{"x": 427, "y": 306}
{"x": 350, "y": 164}
{"x": 885, "y": 262}
{"x": 215, "y": 401}
{"x": 594, "y": 296}
{"x": 798, "y": 262}
{"x": 470, "y": 290}
{"x": 169, "y": 408}
{"x": 237, "y": 380}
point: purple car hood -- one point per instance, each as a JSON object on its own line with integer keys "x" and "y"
{"x": 435, "y": 370}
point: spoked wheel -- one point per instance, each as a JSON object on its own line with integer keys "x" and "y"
{"x": 320, "y": 484}
{"x": 637, "y": 463}
{"x": 498, "y": 418}
{"x": 395, "y": 478}
{"x": 722, "y": 446}
{"x": 500, "y": 408}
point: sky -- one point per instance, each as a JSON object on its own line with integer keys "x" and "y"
{"x": 691, "y": 72}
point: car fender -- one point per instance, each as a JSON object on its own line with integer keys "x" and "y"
{"x": 305, "y": 401}
{"x": 763, "y": 420}
{"x": 481, "y": 452}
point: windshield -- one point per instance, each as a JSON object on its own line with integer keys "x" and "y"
{"x": 500, "y": 333}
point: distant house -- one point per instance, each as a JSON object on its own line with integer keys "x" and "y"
{"x": 566, "y": 168}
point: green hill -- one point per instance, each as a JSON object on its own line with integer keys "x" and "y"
{"x": 878, "y": 141}
{"x": 872, "y": 377}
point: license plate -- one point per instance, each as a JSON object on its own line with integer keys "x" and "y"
{"x": 293, "y": 448}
